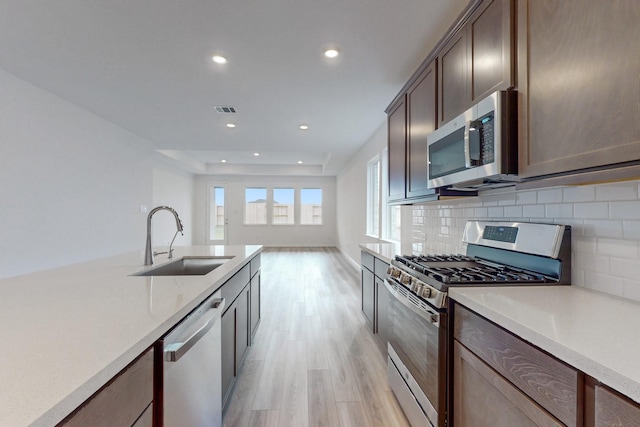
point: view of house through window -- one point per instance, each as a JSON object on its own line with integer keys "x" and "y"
{"x": 283, "y": 205}
{"x": 373, "y": 197}
{"x": 255, "y": 209}
{"x": 394, "y": 223}
{"x": 216, "y": 214}
{"x": 311, "y": 206}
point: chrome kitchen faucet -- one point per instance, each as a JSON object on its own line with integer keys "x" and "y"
{"x": 148, "y": 253}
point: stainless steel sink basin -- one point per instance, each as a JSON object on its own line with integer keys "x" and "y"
{"x": 187, "y": 266}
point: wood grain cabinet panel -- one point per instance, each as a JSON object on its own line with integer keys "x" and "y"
{"x": 489, "y": 32}
{"x": 578, "y": 70}
{"x": 397, "y": 150}
{"x": 552, "y": 384}
{"x": 614, "y": 410}
{"x": 483, "y": 398}
{"x": 453, "y": 94}
{"x": 122, "y": 401}
{"x": 421, "y": 121}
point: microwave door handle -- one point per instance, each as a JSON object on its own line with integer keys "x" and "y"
{"x": 467, "y": 145}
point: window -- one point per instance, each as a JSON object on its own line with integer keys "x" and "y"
{"x": 255, "y": 209}
{"x": 283, "y": 205}
{"x": 373, "y": 197}
{"x": 216, "y": 213}
{"x": 311, "y": 206}
{"x": 394, "y": 224}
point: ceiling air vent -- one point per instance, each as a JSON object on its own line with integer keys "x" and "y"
{"x": 225, "y": 109}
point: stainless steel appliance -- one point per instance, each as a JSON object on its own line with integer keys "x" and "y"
{"x": 498, "y": 254}
{"x": 192, "y": 368}
{"x": 478, "y": 148}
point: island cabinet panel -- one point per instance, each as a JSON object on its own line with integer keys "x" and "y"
{"x": 122, "y": 401}
{"x": 397, "y": 151}
{"x": 578, "y": 68}
{"x": 551, "y": 384}
{"x": 368, "y": 296}
{"x": 608, "y": 408}
{"x": 421, "y": 121}
{"x": 255, "y": 303}
{"x": 483, "y": 398}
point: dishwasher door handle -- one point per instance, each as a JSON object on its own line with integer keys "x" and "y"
{"x": 174, "y": 351}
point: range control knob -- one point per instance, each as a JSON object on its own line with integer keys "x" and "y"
{"x": 426, "y": 292}
{"x": 405, "y": 278}
{"x": 395, "y": 273}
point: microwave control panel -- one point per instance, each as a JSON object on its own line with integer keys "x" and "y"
{"x": 481, "y": 140}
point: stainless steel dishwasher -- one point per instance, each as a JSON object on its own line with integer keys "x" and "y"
{"x": 192, "y": 368}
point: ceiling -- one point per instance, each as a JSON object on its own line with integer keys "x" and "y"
{"x": 146, "y": 66}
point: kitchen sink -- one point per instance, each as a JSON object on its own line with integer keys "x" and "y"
{"x": 186, "y": 266}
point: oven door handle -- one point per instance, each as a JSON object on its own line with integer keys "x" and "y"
{"x": 431, "y": 317}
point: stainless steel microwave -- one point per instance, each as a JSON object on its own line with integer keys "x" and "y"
{"x": 477, "y": 149}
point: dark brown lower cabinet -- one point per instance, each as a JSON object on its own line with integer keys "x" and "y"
{"x": 484, "y": 398}
{"x": 608, "y": 408}
{"x": 125, "y": 401}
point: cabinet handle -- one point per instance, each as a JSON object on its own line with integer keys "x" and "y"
{"x": 174, "y": 351}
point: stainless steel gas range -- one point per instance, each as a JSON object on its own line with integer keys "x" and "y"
{"x": 498, "y": 254}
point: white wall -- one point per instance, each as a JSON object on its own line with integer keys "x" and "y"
{"x": 605, "y": 220}
{"x": 175, "y": 189}
{"x": 352, "y": 197}
{"x": 268, "y": 235}
{"x": 71, "y": 182}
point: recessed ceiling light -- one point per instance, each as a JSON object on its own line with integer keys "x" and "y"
{"x": 219, "y": 59}
{"x": 223, "y": 161}
{"x": 304, "y": 127}
{"x": 299, "y": 162}
{"x": 231, "y": 125}
{"x": 332, "y": 52}
{"x": 256, "y": 154}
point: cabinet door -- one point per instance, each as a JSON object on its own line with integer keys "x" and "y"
{"x": 255, "y": 303}
{"x": 243, "y": 331}
{"x": 421, "y": 121}
{"x": 122, "y": 401}
{"x": 397, "y": 151}
{"x": 228, "y": 326}
{"x": 368, "y": 294}
{"x": 614, "y": 410}
{"x": 453, "y": 63}
{"x": 578, "y": 70}
{"x": 483, "y": 398}
{"x": 489, "y": 35}
{"x": 382, "y": 313}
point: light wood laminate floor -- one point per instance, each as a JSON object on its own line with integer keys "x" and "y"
{"x": 314, "y": 361}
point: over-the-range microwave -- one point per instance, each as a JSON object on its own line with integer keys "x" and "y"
{"x": 477, "y": 149}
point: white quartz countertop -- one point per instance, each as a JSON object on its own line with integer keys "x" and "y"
{"x": 594, "y": 332}
{"x": 65, "y": 332}
{"x": 383, "y": 251}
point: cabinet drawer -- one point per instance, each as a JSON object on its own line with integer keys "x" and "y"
{"x": 367, "y": 260}
{"x": 380, "y": 268}
{"x": 255, "y": 265}
{"x": 613, "y": 409}
{"x": 232, "y": 287}
{"x": 121, "y": 401}
{"x": 548, "y": 381}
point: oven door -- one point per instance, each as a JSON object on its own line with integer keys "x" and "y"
{"x": 417, "y": 337}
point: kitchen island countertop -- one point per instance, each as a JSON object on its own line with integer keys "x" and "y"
{"x": 67, "y": 331}
{"x": 595, "y": 332}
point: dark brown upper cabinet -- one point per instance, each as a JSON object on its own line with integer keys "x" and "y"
{"x": 397, "y": 150}
{"x": 421, "y": 121}
{"x": 477, "y": 60}
{"x": 578, "y": 68}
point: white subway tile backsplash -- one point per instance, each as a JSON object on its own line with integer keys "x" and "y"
{"x": 625, "y": 210}
{"x": 586, "y": 193}
{"x": 605, "y": 221}
{"x": 532, "y": 211}
{"x": 552, "y": 195}
{"x": 594, "y": 210}
{"x": 617, "y": 191}
{"x": 631, "y": 229}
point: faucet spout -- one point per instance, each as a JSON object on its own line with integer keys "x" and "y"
{"x": 148, "y": 252}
